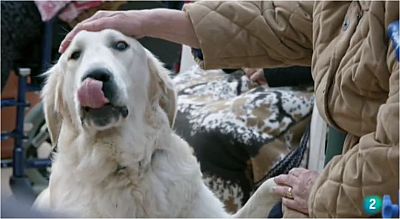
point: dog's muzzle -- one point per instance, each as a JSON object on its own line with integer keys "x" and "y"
{"x": 97, "y": 97}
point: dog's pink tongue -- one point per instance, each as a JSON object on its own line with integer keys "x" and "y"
{"x": 90, "y": 94}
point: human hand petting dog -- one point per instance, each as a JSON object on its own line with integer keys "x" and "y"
{"x": 127, "y": 22}
{"x": 295, "y": 187}
{"x": 157, "y": 23}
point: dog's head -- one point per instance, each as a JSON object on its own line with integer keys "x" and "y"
{"x": 105, "y": 79}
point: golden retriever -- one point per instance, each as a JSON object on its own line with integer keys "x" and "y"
{"x": 110, "y": 107}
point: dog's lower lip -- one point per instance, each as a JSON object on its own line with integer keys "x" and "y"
{"x": 121, "y": 109}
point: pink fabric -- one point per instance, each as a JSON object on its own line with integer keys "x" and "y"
{"x": 66, "y": 10}
{"x": 75, "y": 8}
{"x": 91, "y": 95}
{"x": 48, "y": 9}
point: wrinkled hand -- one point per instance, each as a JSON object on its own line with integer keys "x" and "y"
{"x": 290, "y": 213}
{"x": 255, "y": 75}
{"x": 127, "y": 22}
{"x": 300, "y": 180}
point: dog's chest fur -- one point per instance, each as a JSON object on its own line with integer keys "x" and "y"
{"x": 103, "y": 180}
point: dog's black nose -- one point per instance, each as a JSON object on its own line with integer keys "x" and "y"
{"x": 100, "y": 74}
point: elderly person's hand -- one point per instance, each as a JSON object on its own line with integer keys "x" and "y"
{"x": 167, "y": 24}
{"x": 295, "y": 188}
{"x": 127, "y": 22}
{"x": 255, "y": 75}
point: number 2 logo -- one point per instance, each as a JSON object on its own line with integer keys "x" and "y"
{"x": 372, "y": 204}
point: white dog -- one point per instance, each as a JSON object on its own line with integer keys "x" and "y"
{"x": 109, "y": 106}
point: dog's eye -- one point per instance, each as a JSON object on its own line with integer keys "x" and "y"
{"x": 75, "y": 55}
{"x": 120, "y": 45}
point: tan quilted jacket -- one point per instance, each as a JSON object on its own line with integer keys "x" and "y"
{"x": 356, "y": 81}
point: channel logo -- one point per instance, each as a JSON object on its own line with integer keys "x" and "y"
{"x": 374, "y": 205}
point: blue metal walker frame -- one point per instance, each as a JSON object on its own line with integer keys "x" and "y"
{"x": 19, "y": 183}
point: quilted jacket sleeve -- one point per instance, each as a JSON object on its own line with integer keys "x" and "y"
{"x": 237, "y": 34}
{"x": 369, "y": 168}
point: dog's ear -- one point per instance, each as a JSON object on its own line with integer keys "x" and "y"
{"x": 52, "y": 102}
{"x": 162, "y": 88}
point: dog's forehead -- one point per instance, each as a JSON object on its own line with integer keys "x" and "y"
{"x": 99, "y": 41}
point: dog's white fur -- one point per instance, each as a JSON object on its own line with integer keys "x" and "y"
{"x": 159, "y": 177}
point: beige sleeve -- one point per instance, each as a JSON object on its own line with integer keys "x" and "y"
{"x": 236, "y": 34}
{"x": 370, "y": 168}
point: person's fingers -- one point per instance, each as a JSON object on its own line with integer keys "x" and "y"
{"x": 258, "y": 77}
{"x": 281, "y": 179}
{"x": 285, "y": 179}
{"x": 281, "y": 190}
{"x": 261, "y": 82}
{"x": 254, "y": 76}
{"x": 66, "y": 41}
{"x": 297, "y": 171}
{"x": 68, "y": 38}
{"x": 291, "y": 203}
{"x": 97, "y": 15}
{"x": 94, "y": 25}
{"x": 101, "y": 15}
{"x": 249, "y": 71}
{"x": 295, "y": 204}
{"x": 98, "y": 24}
